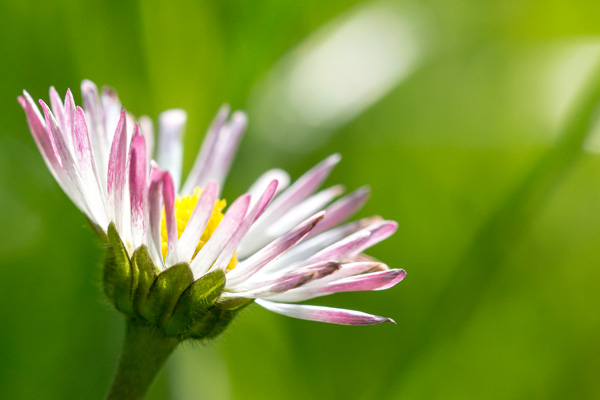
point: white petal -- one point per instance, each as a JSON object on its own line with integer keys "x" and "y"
{"x": 323, "y": 314}
{"x": 197, "y": 223}
{"x": 171, "y": 125}
{"x": 259, "y": 186}
{"x": 315, "y": 244}
{"x": 222, "y": 235}
{"x": 308, "y": 207}
{"x": 198, "y": 175}
{"x": 248, "y": 267}
{"x": 306, "y": 185}
{"x": 147, "y": 129}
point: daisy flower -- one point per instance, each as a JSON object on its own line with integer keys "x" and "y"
{"x": 179, "y": 257}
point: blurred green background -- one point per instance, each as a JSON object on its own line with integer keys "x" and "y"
{"x": 453, "y": 111}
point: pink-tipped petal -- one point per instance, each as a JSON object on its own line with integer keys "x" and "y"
{"x": 259, "y": 186}
{"x": 40, "y": 134}
{"x": 82, "y": 147}
{"x": 255, "y": 212}
{"x": 305, "y": 209}
{"x": 147, "y": 129}
{"x": 352, "y": 269}
{"x": 272, "y": 251}
{"x": 323, "y": 314}
{"x": 62, "y": 149}
{"x": 138, "y": 187}
{"x": 45, "y": 143}
{"x": 69, "y": 165}
{"x": 343, "y": 209}
{"x": 197, "y": 223}
{"x": 70, "y": 115}
{"x": 379, "y": 233}
{"x": 302, "y": 276}
{"x": 84, "y": 156}
{"x": 264, "y": 200}
{"x": 373, "y": 281}
{"x": 306, "y": 185}
{"x": 381, "y": 280}
{"x": 95, "y": 119}
{"x": 335, "y": 242}
{"x": 111, "y": 112}
{"x": 198, "y": 174}
{"x": 171, "y": 125}
{"x": 355, "y": 243}
{"x": 172, "y": 235}
{"x": 339, "y": 251}
{"x": 155, "y": 207}
{"x": 216, "y": 244}
{"x": 116, "y": 177}
{"x": 282, "y": 283}
{"x": 58, "y": 108}
{"x": 229, "y": 139}
{"x": 92, "y": 107}
{"x": 313, "y": 245}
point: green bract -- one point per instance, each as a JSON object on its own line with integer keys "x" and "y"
{"x": 169, "y": 300}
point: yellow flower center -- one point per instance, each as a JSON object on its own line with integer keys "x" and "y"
{"x": 183, "y": 211}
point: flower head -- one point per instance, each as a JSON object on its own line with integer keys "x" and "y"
{"x": 179, "y": 258}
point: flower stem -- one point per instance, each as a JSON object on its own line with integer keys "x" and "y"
{"x": 145, "y": 350}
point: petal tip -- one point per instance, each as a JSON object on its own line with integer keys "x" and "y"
{"x": 240, "y": 117}
{"x": 136, "y": 132}
{"x": 88, "y": 87}
{"x": 334, "y": 158}
{"x": 45, "y": 107}
{"x": 174, "y": 116}
{"x": 110, "y": 92}
{"x": 338, "y": 189}
{"x": 224, "y": 109}
{"x": 364, "y": 190}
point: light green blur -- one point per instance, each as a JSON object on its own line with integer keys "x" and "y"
{"x": 465, "y": 142}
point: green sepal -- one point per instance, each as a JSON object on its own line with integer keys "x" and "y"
{"x": 224, "y": 319}
{"x": 169, "y": 300}
{"x": 164, "y": 293}
{"x": 195, "y": 302}
{"x": 118, "y": 273}
{"x": 212, "y": 324}
{"x": 217, "y": 319}
{"x": 228, "y": 310}
{"x": 144, "y": 273}
{"x": 203, "y": 326}
{"x": 235, "y": 304}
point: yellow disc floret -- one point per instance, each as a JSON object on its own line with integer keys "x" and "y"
{"x": 183, "y": 211}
